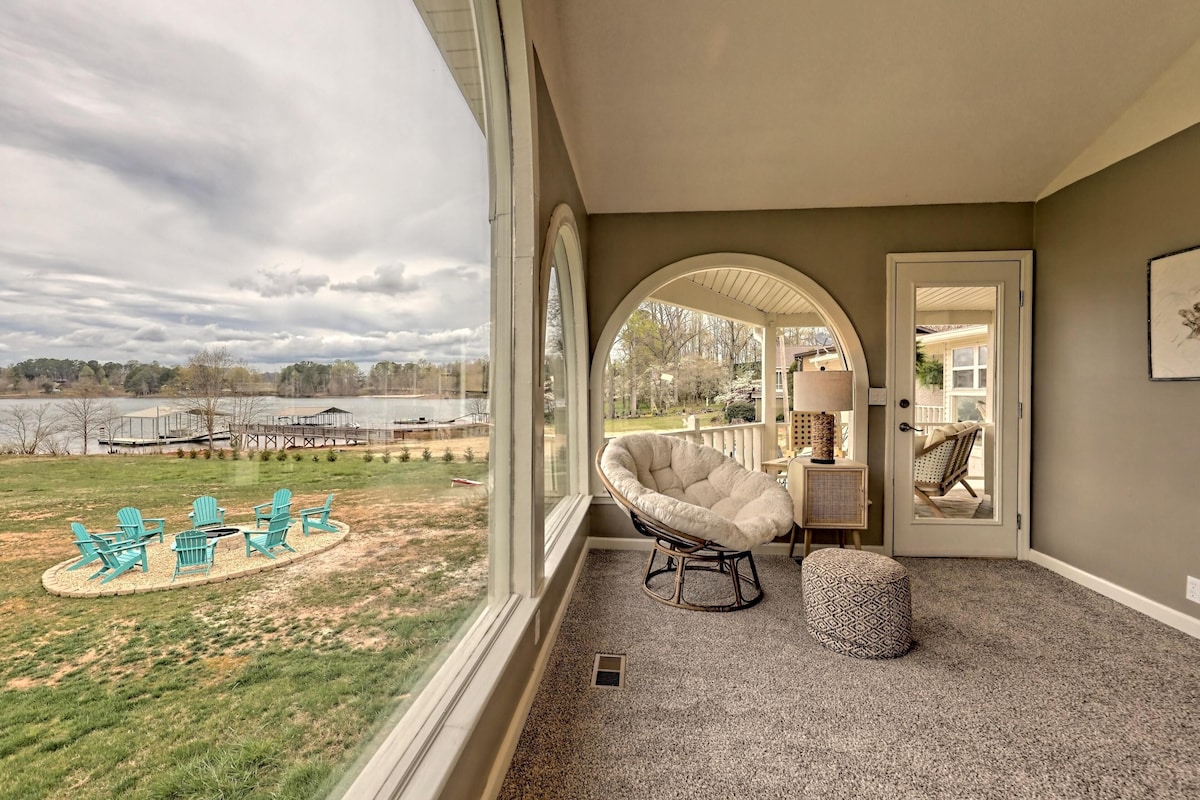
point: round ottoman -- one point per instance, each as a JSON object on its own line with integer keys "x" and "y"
{"x": 857, "y": 603}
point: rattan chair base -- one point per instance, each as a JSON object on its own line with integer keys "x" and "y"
{"x": 681, "y": 560}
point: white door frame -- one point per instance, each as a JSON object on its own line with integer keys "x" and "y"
{"x": 1024, "y": 394}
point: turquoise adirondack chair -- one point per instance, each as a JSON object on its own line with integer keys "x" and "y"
{"x": 83, "y": 540}
{"x": 206, "y": 513}
{"x": 281, "y": 503}
{"x": 317, "y": 517}
{"x": 275, "y": 536}
{"x": 134, "y": 526}
{"x": 118, "y": 557}
{"x": 194, "y": 553}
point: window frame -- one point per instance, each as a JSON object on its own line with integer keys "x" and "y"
{"x": 416, "y": 749}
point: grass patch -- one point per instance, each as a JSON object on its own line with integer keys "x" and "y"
{"x": 262, "y": 687}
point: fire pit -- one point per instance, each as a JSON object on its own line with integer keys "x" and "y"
{"x": 217, "y": 533}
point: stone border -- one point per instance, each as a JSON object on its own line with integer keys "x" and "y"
{"x": 50, "y": 576}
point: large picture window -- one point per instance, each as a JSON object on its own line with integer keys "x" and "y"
{"x": 245, "y": 250}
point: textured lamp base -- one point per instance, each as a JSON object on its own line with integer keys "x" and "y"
{"x": 822, "y": 446}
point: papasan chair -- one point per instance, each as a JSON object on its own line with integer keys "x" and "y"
{"x": 703, "y": 510}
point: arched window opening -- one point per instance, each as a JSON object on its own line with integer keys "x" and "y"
{"x": 706, "y": 349}
{"x": 564, "y": 337}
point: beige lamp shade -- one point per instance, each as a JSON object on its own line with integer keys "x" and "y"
{"x": 823, "y": 391}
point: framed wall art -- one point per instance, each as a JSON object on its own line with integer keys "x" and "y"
{"x": 1174, "y": 320}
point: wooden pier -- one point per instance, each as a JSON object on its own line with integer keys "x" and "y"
{"x": 275, "y": 437}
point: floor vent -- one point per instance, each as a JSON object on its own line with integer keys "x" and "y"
{"x": 608, "y": 671}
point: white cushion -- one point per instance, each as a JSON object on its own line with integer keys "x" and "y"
{"x": 939, "y": 435}
{"x": 697, "y": 490}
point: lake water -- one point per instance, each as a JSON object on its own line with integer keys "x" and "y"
{"x": 369, "y": 412}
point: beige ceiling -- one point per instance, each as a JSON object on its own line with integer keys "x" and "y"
{"x": 677, "y": 105}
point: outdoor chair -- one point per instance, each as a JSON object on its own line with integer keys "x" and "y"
{"x": 118, "y": 557}
{"x": 83, "y": 540}
{"x": 275, "y": 536}
{"x": 134, "y": 526}
{"x": 941, "y": 461}
{"x": 194, "y": 553}
{"x": 206, "y": 513}
{"x": 281, "y": 503}
{"x": 317, "y": 517}
{"x": 703, "y": 510}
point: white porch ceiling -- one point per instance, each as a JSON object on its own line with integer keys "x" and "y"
{"x": 681, "y": 105}
{"x": 741, "y": 295}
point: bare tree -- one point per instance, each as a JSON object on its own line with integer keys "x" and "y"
{"x": 84, "y": 415}
{"x": 246, "y": 406}
{"x": 203, "y": 383}
{"x": 30, "y": 429}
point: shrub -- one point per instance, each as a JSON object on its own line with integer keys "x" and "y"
{"x": 405, "y": 454}
{"x": 193, "y": 453}
{"x": 281, "y": 455}
{"x": 316, "y": 457}
{"x": 368, "y": 456}
{"x": 264, "y": 455}
{"x": 179, "y": 453}
{"x": 331, "y": 455}
{"x": 447, "y": 456}
{"x": 386, "y": 457}
{"x": 469, "y": 455}
{"x": 297, "y": 456}
{"x": 235, "y": 454}
{"x": 426, "y": 454}
{"x": 739, "y": 411}
{"x": 222, "y": 455}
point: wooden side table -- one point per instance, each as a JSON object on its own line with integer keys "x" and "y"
{"x": 827, "y": 497}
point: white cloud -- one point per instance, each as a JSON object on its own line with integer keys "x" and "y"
{"x": 281, "y": 283}
{"x": 157, "y": 155}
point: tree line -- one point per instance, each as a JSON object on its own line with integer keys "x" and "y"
{"x": 340, "y": 378}
{"x": 666, "y": 357}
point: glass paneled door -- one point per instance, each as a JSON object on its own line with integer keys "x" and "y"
{"x": 958, "y": 396}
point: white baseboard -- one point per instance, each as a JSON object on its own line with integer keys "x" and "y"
{"x": 619, "y": 543}
{"x": 645, "y": 543}
{"x": 1151, "y": 608}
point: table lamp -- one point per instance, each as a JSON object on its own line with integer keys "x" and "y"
{"x": 823, "y": 391}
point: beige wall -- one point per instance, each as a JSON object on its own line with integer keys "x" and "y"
{"x": 556, "y": 178}
{"x": 844, "y": 250}
{"x": 1116, "y": 458}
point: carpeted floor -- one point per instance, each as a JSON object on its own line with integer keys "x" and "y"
{"x": 1021, "y": 684}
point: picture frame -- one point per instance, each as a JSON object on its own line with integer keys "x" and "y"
{"x": 1173, "y": 324}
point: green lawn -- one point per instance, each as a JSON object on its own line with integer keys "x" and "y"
{"x": 259, "y": 687}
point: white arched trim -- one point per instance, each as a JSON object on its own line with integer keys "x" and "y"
{"x": 564, "y": 229}
{"x": 836, "y": 318}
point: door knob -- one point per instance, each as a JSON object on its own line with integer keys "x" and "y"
{"x": 905, "y": 428}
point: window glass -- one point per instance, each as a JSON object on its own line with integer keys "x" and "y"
{"x": 556, "y": 392}
{"x": 246, "y": 249}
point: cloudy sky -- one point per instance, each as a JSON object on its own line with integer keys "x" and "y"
{"x": 289, "y": 179}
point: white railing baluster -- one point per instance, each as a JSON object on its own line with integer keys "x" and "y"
{"x": 744, "y": 443}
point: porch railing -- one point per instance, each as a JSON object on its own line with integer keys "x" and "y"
{"x": 743, "y": 443}
{"x": 925, "y": 414}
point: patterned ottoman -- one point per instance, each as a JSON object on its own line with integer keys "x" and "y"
{"x": 857, "y": 603}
